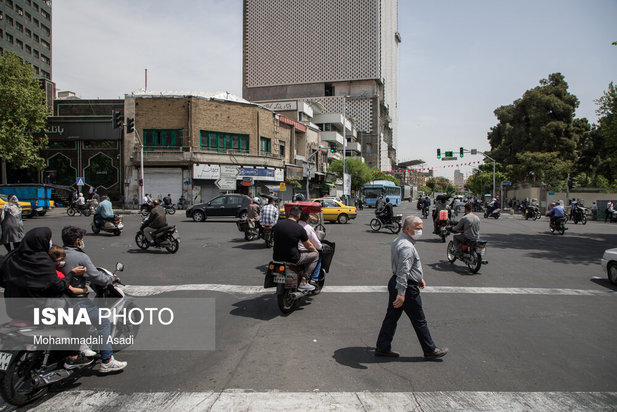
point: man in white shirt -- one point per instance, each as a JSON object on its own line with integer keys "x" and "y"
{"x": 314, "y": 239}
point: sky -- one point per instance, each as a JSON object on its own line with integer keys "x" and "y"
{"x": 458, "y": 60}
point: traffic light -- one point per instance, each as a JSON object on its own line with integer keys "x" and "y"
{"x": 117, "y": 120}
{"x": 438, "y": 153}
{"x": 570, "y": 183}
{"x": 332, "y": 147}
{"x": 141, "y": 182}
{"x": 462, "y": 151}
{"x": 130, "y": 124}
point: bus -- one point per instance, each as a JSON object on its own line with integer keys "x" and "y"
{"x": 385, "y": 188}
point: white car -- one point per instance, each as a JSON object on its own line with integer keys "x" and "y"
{"x": 609, "y": 264}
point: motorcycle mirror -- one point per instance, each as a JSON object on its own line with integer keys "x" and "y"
{"x": 119, "y": 267}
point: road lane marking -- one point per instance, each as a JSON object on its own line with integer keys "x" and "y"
{"x": 136, "y": 290}
{"x": 338, "y": 401}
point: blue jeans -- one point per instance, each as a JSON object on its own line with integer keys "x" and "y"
{"x": 102, "y": 326}
{"x": 315, "y": 275}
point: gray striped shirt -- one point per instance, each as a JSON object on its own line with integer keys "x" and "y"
{"x": 406, "y": 263}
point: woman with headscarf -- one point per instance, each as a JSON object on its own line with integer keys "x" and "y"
{"x": 12, "y": 225}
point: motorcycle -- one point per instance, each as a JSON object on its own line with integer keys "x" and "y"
{"x": 286, "y": 277}
{"x": 251, "y": 230}
{"x": 85, "y": 210}
{"x": 166, "y": 237}
{"x": 28, "y": 371}
{"x": 494, "y": 213}
{"x": 473, "y": 254}
{"x": 532, "y": 212}
{"x": 394, "y": 225}
{"x": 558, "y": 225}
{"x": 425, "y": 212}
{"x": 114, "y": 227}
{"x": 169, "y": 209}
{"x": 443, "y": 221}
{"x": 579, "y": 215}
{"x": 145, "y": 209}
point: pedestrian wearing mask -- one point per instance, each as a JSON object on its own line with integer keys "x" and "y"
{"x": 404, "y": 293}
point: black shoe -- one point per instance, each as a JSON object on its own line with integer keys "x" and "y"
{"x": 79, "y": 362}
{"x": 314, "y": 283}
{"x": 386, "y": 353}
{"x": 437, "y": 353}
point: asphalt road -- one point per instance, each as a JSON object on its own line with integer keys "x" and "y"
{"x": 510, "y": 328}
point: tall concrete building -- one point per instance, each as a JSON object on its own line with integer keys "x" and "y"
{"x": 341, "y": 54}
{"x": 25, "y": 29}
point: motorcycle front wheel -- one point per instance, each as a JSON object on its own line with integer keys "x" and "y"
{"x": 286, "y": 302}
{"x": 251, "y": 235}
{"x": 70, "y": 211}
{"x": 17, "y": 388}
{"x": 144, "y": 212}
{"x": 95, "y": 229}
{"x": 375, "y": 225}
{"x": 475, "y": 262}
{"x": 584, "y": 219}
{"x": 171, "y": 210}
{"x": 141, "y": 241}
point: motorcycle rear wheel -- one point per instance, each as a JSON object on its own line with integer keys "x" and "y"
{"x": 144, "y": 212}
{"x": 395, "y": 227}
{"x": 562, "y": 229}
{"x": 70, "y": 211}
{"x": 86, "y": 212}
{"x": 173, "y": 245}
{"x": 16, "y": 387}
{"x": 250, "y": 235}
{"x": 141, "y": 241}
{"x": 286, "y": 302}
{"x": 95, "y": 229}
{"x": 475, "y": 262}
{"x": 450, "y": 252}
{"x": 375, "y": 225}
{"x": 171, "y": 210}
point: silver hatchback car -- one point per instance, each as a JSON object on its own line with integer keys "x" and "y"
{"x": 609, "y": 264}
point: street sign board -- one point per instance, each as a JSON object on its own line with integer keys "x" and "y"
{"x": 282, "y": 186}
{"x": 506, "y": 183}
{"x": 226, "y": 183}
{"x": 449, "y": 157}
{"x": 81, "y": 181}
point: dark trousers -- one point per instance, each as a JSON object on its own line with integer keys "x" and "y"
{"x": 413, "y": 309}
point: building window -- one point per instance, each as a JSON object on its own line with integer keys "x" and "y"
{"x": 20, "y": 11}
{"x": 36, "y": 54}
{"x": 329, "y": 89}
{"x": 46, "y": 30}
{"x": 162, "y": 139}
{"x": 223, "y": 142}
{"x": 45, "y": 44}
{"x": 28, "y": 33}
{"x": 9, "y": 20}
{"x": 45, "y": 59}
{"x": 20, "y": 27}
{"x": 20, "y": 44}
{"x": 28, "y": 49}
{"x": 36, "y": 22}
{"x": 9, "y": 3}
{"x": 36, "y": 38}
{"x": 60, "y": 144}
{"x": 45, "y": 74}
{"x": 282, "y": 148}
{"x": 265, "y": 145}
{"x": 8, "y": 38}
{"x": 29, "y": 16}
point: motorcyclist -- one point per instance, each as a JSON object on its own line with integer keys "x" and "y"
{"x": 253, "y": 212}
{"x": 493, "y": 205}
{"x": 287, "y": 234}
{"x": 557, "y": 212}
{"x": 388, "y": 212}
{"x": 167, "y": 200}
{"x": 440, "y": 204}
{"x": 426, "y": 204}
{"x": 81, "y": 201}
{"x": 104, "y": 212}
{"x": 379, "y": 204}
{"x": 154, "y": 221}
{"x": 468, "y": 228}
{"x": 73, "y": 239}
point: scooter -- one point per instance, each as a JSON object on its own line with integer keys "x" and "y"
{"x": 394, "y": 225}
{"x": 74, "y": 208}
{"x": 29, "y": 370}
{"x": 169, "y": 209}
{"x": 286, "y": 277}
{"x": 166, "y": 237}
{"x": 114, "y": 227}
{"x": 425, "y": 212}
{"x": 558, "y": 225}
{"x": 579, "y": 215}
{"x": 494, "y": 213}
{"x": 474, "y": 254}
{"x": 532, "y": 212}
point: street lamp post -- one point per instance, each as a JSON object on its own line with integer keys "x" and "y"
{"x": 493, "y": 172}
{"x": 345, "y": 149}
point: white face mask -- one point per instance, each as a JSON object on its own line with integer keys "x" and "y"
{"x": 417, "y": 234}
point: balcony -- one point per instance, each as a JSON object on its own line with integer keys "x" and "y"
{"x": 354, "y": 147}
{"x": 332, "y": 137}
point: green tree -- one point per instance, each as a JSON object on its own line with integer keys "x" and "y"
{"x": 359, "y": 171}
{"x": 606, "y": 137}
{"x": 438, "y": 185}
{"x": 541, "y": 121}
{"x": 537, "y": 167}
{"x": 23, "y": 114}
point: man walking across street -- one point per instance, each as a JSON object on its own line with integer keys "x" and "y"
{"x": 404, "y": 293}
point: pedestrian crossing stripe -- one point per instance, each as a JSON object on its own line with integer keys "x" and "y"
{"x": 241, "y": 400}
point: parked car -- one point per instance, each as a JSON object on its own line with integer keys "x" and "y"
{"x": 609, "y": 264}
{"x": 230, "y": 205}
{"x": 26, "y": 209}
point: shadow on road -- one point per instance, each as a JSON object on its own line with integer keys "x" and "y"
{"x": 606, "y": 283}
{"x": 571, "y": 248}
{"x": 264, "y": 307}
{"x": 445, "y": 266}
{"x": 357, "y": 356}
{"x": 148, "y": 251}
{"x": 250, "y": 245}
